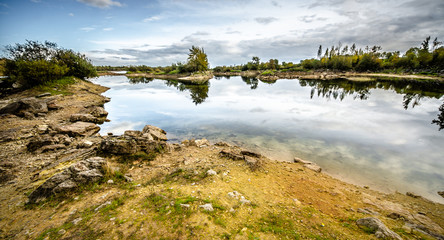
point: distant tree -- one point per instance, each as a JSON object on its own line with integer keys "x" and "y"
{"x": 436, "y": 43}
{"x": 197, "y": 59}
{"x": 320, "y": 52}
{"x": 425, "y": 44}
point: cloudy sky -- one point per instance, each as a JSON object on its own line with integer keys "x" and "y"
{"x": 160, "y": 32}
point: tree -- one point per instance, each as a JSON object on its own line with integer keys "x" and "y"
{"x": 197, "y": 59}
{"x": 34, "y": 63}
{"x": 320, "y": 52}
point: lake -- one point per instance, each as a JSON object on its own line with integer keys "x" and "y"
{"x": 377, "y": 133}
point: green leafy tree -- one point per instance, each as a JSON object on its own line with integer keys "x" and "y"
{"x": 34, "y": 63}
{"x": 197, "y": 59}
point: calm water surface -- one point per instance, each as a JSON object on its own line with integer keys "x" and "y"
{"x": 378, "y": 134}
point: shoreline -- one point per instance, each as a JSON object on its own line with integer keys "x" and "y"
{"x": 267, "y": 183}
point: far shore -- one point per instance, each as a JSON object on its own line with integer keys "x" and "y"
{"x": 201, "y": 78}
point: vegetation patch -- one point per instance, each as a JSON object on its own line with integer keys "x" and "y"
{"x": 278, "y": 225}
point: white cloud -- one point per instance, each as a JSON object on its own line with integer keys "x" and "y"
{"x": 108, "y": 29}
{"x": 101, "y": 3}
{"x": 265, "y": 20}
{"x": 36, "y": 1}
{"x": 150, "y": 19}
{"x": 71, "y": 14}
{"x": 87, "y": 29}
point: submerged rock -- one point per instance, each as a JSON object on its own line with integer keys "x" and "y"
{"x": 378, "y": 228}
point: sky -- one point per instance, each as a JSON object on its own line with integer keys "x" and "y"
{"x": 161, "y": 32}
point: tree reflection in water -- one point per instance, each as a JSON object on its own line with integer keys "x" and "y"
{"x": 413, "y": 91}
{"x": 440, "y": 120}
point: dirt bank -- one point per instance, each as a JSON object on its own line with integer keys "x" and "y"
{"x": 193, "y": 190}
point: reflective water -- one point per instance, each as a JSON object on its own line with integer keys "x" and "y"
{"x": 378, "y": 134}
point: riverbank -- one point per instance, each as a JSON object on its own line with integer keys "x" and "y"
{"x": 194, "y": 78}
{"x": 327, "y": 75}
{"x": 150, "y": 188}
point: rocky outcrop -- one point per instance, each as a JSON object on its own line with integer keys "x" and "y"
{"x": 26, "y": 107}
{"x": 86, "y": 171}
{"x": 375, "y": 226}
{"x": 150, "y": 139}
{"x": 78, "y": 129}
{"x": 79, "y": 117}
{"x": 252, "y": 159}
{"x": 307, "y": 164}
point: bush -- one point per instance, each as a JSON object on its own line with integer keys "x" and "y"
{"x": 34, "y": 63}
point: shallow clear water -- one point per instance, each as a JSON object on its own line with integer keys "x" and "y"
{"x": 378, "y": 134}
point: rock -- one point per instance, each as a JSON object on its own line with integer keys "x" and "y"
{"x": 133, "y": 133}
{"x": 250, "y": 153}
{"x": 39, "y": 141}
{"x": 25, "y": 107}
{"x": 61, "y": 232}
{"x": 313, "y": 167}
{"x": 211, "y": 172}
{"x": 128, "y": 178}
{"x": 52, "y": 105}
{"x": 119, "y": 146}
{"x": 85, "y": 171}
{"x": 207, "y": 207}
{"x": 78, "y": 129}
{"x": 377, "y": 227}
{"x": 107, "y": 99}
{"x": 367, "y": 211}
{"x": 43, "y": 95}
{"x": 85, "y": 144}
{"x": 395, "y": 215}
{"x": 298, "y": 160}
{"x": 185, "y": 205}
{"x": 413, "y": 195}
{"x": 42, "y": 129}
{"x": 253, "y": 163}
{"x": 52, "y": 147}
{"x": 231, "y": 155}
{"x": 76, "y": 221}
{"x": 80, "y": 117}
{"x": 441, "y": 193}
{"x": 234, "y": 194}
{"x": 222, "y": 144}
{"x": 98, "y": 112}
{"x": 202, "y": 143}
{"x": 155, "y": 132}
{"x": 244, "y": 201}
{"x": 110, "y": 181}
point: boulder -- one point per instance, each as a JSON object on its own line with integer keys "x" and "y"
{"x": 299, "y": 160}
{"x": 85, "y": 171}
{"x": 375, "y": 226}
{"x": 441, "y": 193}
{"x": 313, "y": 167}
{"x": 133, "y": 133}
{"x": 39, "y": 141}
{"x": 119, "y": 146}
{"x": 98, "y": 112}
{"x": 80, "y": 117}
{"x": 253, "y": 163}
{"x": 78, "y": 129}
{"x": 202, "y": 142}
{"x": 155, "y": 132}
{"x": 231, "y": 155}
{"x": 250, "y": 153}
{"x": 25, "y": 107}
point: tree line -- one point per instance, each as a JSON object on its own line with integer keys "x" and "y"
{"x": 429, "y": 57}
{"x": 197, "y": 62}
